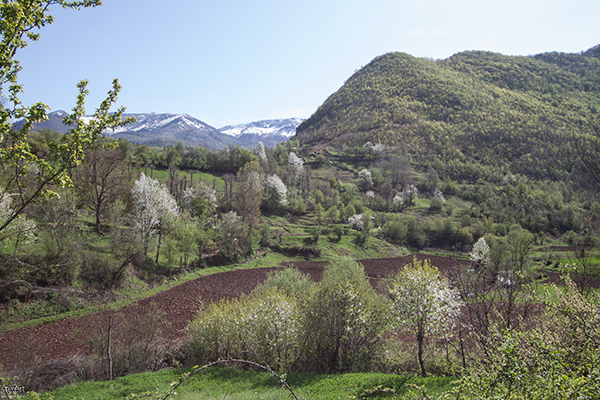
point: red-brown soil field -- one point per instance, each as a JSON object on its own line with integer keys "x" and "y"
{"x": 68, "y": 337}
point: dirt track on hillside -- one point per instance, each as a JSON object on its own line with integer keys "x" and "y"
{"x": 26, "y": 347}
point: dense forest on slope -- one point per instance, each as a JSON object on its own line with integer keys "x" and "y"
{"x": 517, "y": 113}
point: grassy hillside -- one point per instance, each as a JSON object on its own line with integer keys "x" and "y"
{"x": 521, "y": 112}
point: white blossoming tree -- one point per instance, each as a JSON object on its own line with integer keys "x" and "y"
{"x": 406, "y": 197}
{"x": 199, "y": 200}
{"x": 153, "y": 209}
{"x": 356, "y": 222}
{"x": 437, "y": 200}
{"x": 423, "y": 304}
{"x": 479, "y": 254}
{"x": 297, "y": 165}
{"x": 365, "y": 180}
{"x": 275, "y": 194}
{"x": 260, "y": 152}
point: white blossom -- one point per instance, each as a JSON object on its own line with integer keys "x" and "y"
{"x": 438, "y": 195}
{"x": 356, "y": 222}
{"x": 295, "y": 161}
{"x": 423, "y": 299}
{"x": 275, "y": 186}
{"x": 406, "y": 196}
{"x": 297, "y": 165}
{"x": 509, "y": 179}
{"x": 152, "y": 206}
{"x": 365, "y": 179}
{"x": 260, "y": 152}
{"x": 480, "y": 251}
{"x": 197, "y": 191}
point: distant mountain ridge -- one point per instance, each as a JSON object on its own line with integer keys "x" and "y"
{"x": 270, "y": 132}
{"x": 156, "y": 129}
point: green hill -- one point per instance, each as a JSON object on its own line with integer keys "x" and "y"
{"x": 519, "y": 112}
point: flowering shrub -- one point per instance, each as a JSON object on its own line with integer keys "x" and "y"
{"x": 479, "y": 254}
{"x": 406, "y": 197}
{"x": 356, "y": 222}
{"x": 262, "y": 328}
{"x": 332, "y": 326}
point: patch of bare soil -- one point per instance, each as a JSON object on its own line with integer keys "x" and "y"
{"x": 23, "y": 348}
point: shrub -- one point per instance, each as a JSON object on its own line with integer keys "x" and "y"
{"x": 344, "y": 319}
{"x": 557, "y": 360}
{"x": 263, "y": 328}
{"x": 289, "y": 280}
{"x": 396, "y": 231}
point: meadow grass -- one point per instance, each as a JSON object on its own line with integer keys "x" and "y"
{"x": 235, "y": 384}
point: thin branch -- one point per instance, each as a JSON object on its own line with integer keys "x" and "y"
{"x": 281, "y": 379}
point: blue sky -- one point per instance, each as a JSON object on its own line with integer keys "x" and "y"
{"x": 235, "y": 61}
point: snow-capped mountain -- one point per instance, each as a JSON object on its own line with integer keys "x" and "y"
{"x": 270, "y": 132}
{"x": 155, "y": 129}
{"x": 167, "y": 129}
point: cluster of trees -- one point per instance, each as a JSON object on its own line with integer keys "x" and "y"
{"x": 480, "y": 321}
{"x": 336, "y": 325}
{"x": 152, "y": 225}
{"x": 159, "y": 226}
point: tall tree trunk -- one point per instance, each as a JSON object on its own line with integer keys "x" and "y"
{"x": 110, "y": 360}
{"x": 158, "y": 247}
{"x": 98, "y": 219}
{"x": 420, "y": 339}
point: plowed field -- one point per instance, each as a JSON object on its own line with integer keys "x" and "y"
{"x": 67, "y": 337}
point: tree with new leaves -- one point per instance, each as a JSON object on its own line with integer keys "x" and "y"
{"x": 153, "y": 209}
{"x": 250, "y": 189}
{"x": 27, "y": 176}
{"x": 296, "y": 164}
{"x": 100, "y": 180}
{"x": 21, "y": 231}
{"x": 423, "y": 304}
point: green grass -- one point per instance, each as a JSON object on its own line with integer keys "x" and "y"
{"x": 233, "y": 384}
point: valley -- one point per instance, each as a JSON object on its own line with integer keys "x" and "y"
{"x": 437, "y": 219}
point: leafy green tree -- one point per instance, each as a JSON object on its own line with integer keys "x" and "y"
{"x": 19, "y": 19}
{"x": 588, "y": 148}
{"x": 344, "y": 320}
{"x": 520, "y": 244}
{"x": 250, "y": 190}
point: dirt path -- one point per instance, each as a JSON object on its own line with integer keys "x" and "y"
{"x": 23, "y": 348}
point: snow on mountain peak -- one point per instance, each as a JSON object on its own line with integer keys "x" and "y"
{"x": 271, "y": 127}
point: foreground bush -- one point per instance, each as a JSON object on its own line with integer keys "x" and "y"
{"x": 344, "y": 320}
{"x": 291, "y": 323}
{"x": 560, "y": 359}
{"x": 263, "y": 328}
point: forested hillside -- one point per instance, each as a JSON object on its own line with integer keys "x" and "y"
{"x": 517, "y": 113}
